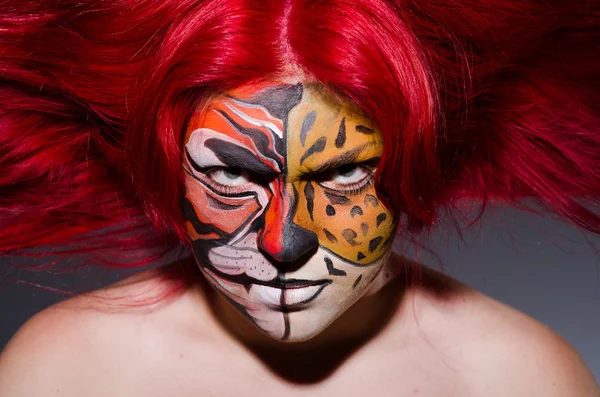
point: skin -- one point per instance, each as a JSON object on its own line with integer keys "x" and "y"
{"x": 280, "y": 204}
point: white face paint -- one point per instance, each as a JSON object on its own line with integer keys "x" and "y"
{"x": 281, "y": 207}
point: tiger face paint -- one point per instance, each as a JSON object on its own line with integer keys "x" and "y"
{"x": 280, "y": 205}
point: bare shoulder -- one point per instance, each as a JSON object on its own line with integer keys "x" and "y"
{"x": 45, "y": 356}
{"x": 499, "y": 351}
{"x": 535, "y": 358}
{"x": 70, "y": 349}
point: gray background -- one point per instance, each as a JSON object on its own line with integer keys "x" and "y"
{"x": 542, "y": 267}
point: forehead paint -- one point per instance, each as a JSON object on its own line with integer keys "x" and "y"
{"x": 274, "y": 225}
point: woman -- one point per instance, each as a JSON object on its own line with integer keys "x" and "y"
{"x": 285, "y": 143}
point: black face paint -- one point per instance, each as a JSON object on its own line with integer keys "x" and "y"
{"x": 332, "y": 270}
{"x": 340, "y": 140}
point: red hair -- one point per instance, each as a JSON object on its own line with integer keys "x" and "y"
{"x": 477, "y": 99}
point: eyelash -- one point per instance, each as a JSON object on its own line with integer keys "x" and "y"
{"x": 218, "y": 187}
{"x": 356, "y": 187}
{"x": 359, "y": 187}
{"x": 203, "y": 175}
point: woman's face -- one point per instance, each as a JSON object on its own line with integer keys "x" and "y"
{"x": 280, "y": 205}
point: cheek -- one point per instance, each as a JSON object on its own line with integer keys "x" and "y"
{"x": 356, "y": 227}
{"x": 214, "y": 216}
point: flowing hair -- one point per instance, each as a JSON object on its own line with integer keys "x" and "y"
{"x": 479, "y": 100}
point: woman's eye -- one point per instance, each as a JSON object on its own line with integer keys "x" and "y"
{"x": 228, "y": 181}
{"x": 348, "y": 174}
{"x": 348, "y": 178}
{"x": 228, "y": 176}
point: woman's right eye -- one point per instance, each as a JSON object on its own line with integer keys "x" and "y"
{"x": 228, "y": 176}
{"x": 228, "y": 181}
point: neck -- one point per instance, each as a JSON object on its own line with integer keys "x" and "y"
{"x": 366, "y": 322}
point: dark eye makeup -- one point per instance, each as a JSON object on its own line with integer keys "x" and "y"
{"x": 349, "y": 178}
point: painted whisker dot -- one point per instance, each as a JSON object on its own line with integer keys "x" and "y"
{"x": 330, "y": 236}
{"x": 357, "y": 281}
{"x": 349, "y": 235}
{"x": 380, "y": 218}
{"x": 329, "y": 210}
{"x": 332, "y": 270}
{"x": 373, "y": 244}
{"x": 356, "y": 210}
{"x": 372, "y": 200}
{"x": 364, "y": 228}
{"x": 336, "y": 198}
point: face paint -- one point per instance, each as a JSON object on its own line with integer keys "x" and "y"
{"x": 280, "y": 205}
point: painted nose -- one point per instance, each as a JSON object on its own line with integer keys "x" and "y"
{"x": 288, "y": 245}
{"x": 280, "y": 237}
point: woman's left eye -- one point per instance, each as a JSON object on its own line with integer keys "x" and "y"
{"x": 348, "y": 178}
{"x": 349, "y": 173}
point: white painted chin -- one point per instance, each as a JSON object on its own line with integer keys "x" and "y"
{"x": 307, "y": 302}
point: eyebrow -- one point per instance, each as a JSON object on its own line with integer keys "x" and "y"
{"x": 343, "y": 159}
{"x": 236, "y": 156}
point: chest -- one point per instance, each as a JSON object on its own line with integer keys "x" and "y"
{"x": 362, "y": 375}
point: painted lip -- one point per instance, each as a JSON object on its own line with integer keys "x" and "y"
{"x": 288, "y": 299}
{"x": 293, "y": 283}
{"x": 280, "y": 283}
{"x": 284, "y": 295}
